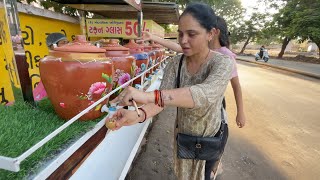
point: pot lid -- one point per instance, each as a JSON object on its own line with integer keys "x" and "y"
{"x": 79, "y": 45}
{"x": 114, "y": 45}
{"x": 141, "y": 56}
{"x": 146, "y": 47}
{"x": 155, "y": 46}
{"x": 132, "y": 45}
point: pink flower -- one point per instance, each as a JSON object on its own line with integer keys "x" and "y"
{"x": 97, "y": 88}
{"x": 138, "y": 70}
{"x": 62, "y": 105}
{"x": 90, "y": 103}
{"x": 124, "y": 78}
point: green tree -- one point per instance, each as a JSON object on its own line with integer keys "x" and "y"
{"x": 47, "y": 4}
{"x": 306, "y": 21}
{"x": 249, "y": 30}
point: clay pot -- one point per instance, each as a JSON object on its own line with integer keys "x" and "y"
{"x": 75, "y": 76}
{"x": 157, "y": 49}
{"x": 124, "y": 63}
{"x": 141, "y": 58}
{"x": 152, "y": 57}
{"x": 134, "y": 48}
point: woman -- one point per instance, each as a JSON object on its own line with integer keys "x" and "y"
{"x": 219, "y": 43}
{"x": 199, "y": 104}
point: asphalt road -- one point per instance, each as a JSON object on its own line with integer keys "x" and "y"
{"x": 281, "y": 139}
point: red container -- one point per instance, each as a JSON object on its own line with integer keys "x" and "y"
{"x": 141, "y": 58}
{"x": 124, "y": 63}
{"x": 157, "y": 49}
{"x": 152, "y": 57}
{"x": 75, "y": 76}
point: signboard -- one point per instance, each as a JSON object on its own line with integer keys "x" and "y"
{"x": 134, "y": 3}
{"x": 34, "y": 34}
{"x": 8, "y": 75}
{"x": 121, "y": 28}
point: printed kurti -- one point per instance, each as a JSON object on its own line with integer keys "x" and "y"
{"x": 207, "y": 87}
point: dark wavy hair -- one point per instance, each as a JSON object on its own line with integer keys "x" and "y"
{"x": 224, "y": 33}
{"x": 203, "y": 13}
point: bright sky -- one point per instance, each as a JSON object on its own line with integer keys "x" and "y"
{"x": 249, "y": 5}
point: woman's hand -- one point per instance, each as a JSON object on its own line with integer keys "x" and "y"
{"x": 129, "y": 93}
{"x": 146, "y": 36}
{"x": 240, "y": 119}
{"x": 125, "y": 117}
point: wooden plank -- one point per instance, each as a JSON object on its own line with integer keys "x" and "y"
{"x": 65, "y": 170}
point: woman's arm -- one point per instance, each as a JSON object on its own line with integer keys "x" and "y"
{"x": 240, "y": 119}
{"x": 180, "y": 97}
{"x": 147, "y": 36}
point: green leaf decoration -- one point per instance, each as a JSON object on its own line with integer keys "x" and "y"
{"x": 83, "y": 97}
{"x": 105, "y": 76}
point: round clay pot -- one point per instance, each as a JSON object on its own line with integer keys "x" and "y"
{"x": 124, "y": 63}
{"x": 157, "y": 49}
{"x": 134, "y": 48}
{"x": 141, "y": 58}
{"x": 152, "y": 57}
{"x": 75, "y": 76}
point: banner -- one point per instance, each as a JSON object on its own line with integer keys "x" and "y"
{"x": 121, "y": 28}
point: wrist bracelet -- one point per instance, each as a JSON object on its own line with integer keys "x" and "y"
{"x": 145, "y": 115}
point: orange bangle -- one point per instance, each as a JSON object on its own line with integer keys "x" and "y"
{"x": 145, "y": 115}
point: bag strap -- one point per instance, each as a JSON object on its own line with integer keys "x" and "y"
{"x": 179, "y": 72}
{"x": 178, "y": 79}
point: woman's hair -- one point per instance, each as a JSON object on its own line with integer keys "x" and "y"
{"x": 224, "y": 33}
{"x": 203, "y": 13}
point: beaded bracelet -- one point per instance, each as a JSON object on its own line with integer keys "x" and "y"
{"x": 145, "y": 115}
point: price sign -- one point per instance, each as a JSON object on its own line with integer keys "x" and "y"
{"x": 119, "y": 28}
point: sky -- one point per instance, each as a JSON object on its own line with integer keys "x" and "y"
{"x": 249, "y": 5}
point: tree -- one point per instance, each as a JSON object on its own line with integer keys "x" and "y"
{"x": 306, "y": 21}
{"x": 249, "y": 30}
{"x": 281, "y": 25}
{"x": 47, "y": 4}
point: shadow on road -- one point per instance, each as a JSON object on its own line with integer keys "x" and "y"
{"x": 243, "y": 161}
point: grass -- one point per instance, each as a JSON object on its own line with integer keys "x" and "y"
{"x": 22, "y": 126}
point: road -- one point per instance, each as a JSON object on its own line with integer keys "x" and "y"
{"x": 281, "y": 138}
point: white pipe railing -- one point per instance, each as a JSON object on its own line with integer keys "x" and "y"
{"x": 13, "y": 164}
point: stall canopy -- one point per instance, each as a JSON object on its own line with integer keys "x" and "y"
{"x": 160, "y": 12}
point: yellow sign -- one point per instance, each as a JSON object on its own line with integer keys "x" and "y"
{"x": 8, "y": 74}
{"x": 34, "y": 30}
{"x": 34, "y": 33}
{"x": 120, "y": 28}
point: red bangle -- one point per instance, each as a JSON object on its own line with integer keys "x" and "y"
{"x": 145, "y": 115}
{"x": 156, "y": 97}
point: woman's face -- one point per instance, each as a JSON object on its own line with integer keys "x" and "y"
{"x": 193, "y": 38}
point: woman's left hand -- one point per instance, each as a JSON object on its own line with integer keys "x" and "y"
{"x": 129, "y": 93}
{"x": 125, "y": 118}
{"x": 241, "y": 120}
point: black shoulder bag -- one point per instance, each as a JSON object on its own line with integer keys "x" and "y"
{"x": 202, "y": 148}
